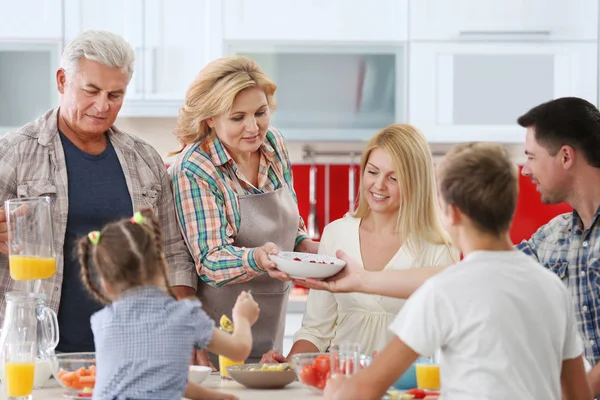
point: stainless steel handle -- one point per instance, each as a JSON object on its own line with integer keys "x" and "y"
{"x": 524, "y": 32}
{"x": 351, "y": 185}
{"x": 351, "y": 188}
{"x": 313, "y": 228}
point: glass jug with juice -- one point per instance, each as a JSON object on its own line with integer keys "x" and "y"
{"x": 30, "y": 238}
{"x": 227, "y": 325}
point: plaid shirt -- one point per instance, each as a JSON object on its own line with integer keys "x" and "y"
{"x": 564, "y": 247}
{"x": 208, "y": 207}
{"x": 32, "y": 164}
{"x": 144, "y": 342}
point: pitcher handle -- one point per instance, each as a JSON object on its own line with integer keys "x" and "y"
{"x": 50, "y": 328}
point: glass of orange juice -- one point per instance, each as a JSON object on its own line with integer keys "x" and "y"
{"x": 428, "y": 374}
{"x": 19, "y": 366}
{"x": 225, "y": 362}
{"x": 30, "y": 238}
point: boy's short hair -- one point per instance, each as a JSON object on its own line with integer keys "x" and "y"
{"x": 481, "y": 180}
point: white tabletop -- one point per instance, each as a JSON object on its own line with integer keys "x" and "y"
{"x": 293, "y": 391}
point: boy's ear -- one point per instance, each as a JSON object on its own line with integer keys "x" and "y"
{"x": 455, "y": 215}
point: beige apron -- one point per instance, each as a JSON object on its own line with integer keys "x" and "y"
{"x": 266, "y": 217}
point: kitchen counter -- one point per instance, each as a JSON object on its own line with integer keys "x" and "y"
{"x": 293, "y": 391}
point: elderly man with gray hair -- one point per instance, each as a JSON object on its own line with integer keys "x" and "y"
{"x": 94, "y": 173}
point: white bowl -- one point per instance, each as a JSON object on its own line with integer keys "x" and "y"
{"x": 42, "y": 372}
{"x": 198, "y": 373}
{"x": 307, "y": 265}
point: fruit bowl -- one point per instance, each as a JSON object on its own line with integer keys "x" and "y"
{"x": 262, "y": 376}
{"x": 307, "y": 265}
{"x": 75, "y": 372}
{"x": 312, "y": 370}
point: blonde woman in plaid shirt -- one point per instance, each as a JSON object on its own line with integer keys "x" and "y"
{"x": 144, "y": 336}
{"x": 234, "y": 194}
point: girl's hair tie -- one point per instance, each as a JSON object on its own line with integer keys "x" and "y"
{"x": 94, "y": 237}
{"x": 138, "y": 218}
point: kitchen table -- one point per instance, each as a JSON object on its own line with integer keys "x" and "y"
{"x": 293, "y": 391}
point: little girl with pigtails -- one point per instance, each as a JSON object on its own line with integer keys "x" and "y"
{"x": 144, "y": 337}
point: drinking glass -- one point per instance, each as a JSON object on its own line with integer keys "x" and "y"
{"x": 345, "y": 358}
{"x": 19, "y": 368}
{"x": 428, "y": 373}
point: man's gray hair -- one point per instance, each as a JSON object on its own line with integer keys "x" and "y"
{"x": 104, "y": 47}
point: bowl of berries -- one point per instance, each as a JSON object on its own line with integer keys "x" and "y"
{"x": 307, "y": 265}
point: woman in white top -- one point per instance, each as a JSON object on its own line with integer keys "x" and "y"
{"x": 396, "y": 226}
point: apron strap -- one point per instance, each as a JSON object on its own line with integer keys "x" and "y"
{"x": 236, "y": 182}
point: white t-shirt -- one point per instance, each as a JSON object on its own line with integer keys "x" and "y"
{"x": 504, "y": 325}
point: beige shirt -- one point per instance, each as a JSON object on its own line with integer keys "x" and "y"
{"x": 32, "y": 163}
{"x": 357, "y": 317}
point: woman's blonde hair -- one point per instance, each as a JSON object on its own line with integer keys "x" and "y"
{"x": 419, "y": 214}
{"x": 213, "y": 92}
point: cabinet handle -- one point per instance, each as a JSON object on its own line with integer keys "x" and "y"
{"x": 154, "y": 68}
{"x": 139, "y": 75}
{"x": 532, "y": 32}
{"x": 351, "y": 185}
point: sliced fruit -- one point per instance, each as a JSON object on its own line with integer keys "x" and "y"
{"x": 226, "y": 323}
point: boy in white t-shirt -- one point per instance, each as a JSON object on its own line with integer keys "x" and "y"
{"x": 504, "y": 323}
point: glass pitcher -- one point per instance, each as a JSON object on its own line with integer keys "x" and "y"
{"x": 27, "y": 319}
{"x": 30, "y": 238}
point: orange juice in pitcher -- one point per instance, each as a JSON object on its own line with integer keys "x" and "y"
{"x": 30, "y": 238}
{"x": 31, "y": 267}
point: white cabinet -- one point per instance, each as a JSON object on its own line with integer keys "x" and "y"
{"x": 27, "y": 82}
{"x": 490, "y": 20}
{"x": 333, "y": 92}
{"x": 476, "y": 91}
{"x": 26, "y": 20}
{"x": 123, "y": 17}
{"x": 316, "y": 20}
{"x": 173, "y": 41}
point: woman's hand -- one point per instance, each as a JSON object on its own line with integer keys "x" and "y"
{"x": 261, "y": 255}
{"x": 308, "y": 246}
{"x": 273, "y": 357}
{"x": 347, "y": 280}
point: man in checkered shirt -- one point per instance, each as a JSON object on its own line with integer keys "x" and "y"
{"x": 93, "y": 172}
{"x": 562, "y": 146}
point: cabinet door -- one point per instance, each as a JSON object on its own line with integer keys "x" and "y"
{"x": 181, "y": 37}
{"x": 318, "y": 20}
{"x": 341, "y": 92}
{"x": 503, "y": 20}
{"x": 30, "y": 19}
{"x": 124, "y": 17}
{"x": 464, "y": 92}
